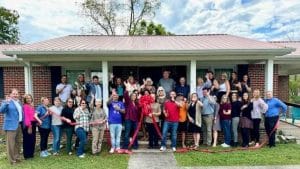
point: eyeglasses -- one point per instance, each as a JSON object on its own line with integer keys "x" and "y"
{"x": 83, "y": 103}
{"x": 70, "y": 101}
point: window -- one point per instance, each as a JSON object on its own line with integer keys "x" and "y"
{"x": 218, "y": 72}
{"x": 72, "y": 75}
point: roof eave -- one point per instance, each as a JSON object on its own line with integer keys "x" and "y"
{"x": 272, "y": 52}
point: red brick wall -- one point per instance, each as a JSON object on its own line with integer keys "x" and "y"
{"x": 283, "y": 92}
{"x": 41, "y": 83}
{"x": 256, "y": 74}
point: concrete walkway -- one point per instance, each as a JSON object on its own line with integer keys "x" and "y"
{"x": 152, "y": 160}
{"x": 289, "y": 129}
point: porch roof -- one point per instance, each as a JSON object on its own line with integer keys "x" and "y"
{"x": 3, "y": 57}
{"x": 289, "y": 44}
{"x": 202, "y": 44}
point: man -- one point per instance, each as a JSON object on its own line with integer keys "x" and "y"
{"x": 166, "y": 82}
{"x": 95, "y": 90}
{"x": 183, "y": 88}
{"x": 207, "y": 115}
{"x": 171, "y": 112}
{"x": 64, "y": 89}
{"x": 272, "y": 116}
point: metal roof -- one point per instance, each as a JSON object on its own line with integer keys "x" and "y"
{"x": 290, "y": 44}
{"x": 141, "y": 44}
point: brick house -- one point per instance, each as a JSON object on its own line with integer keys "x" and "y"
{"x": 36, "y": 68}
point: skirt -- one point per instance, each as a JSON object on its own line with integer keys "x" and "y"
{"x": 246, "y": 123}
{"x": 194, "y": 128}
{"x": 182, "y": 127}
{"x": 217, "y": 125}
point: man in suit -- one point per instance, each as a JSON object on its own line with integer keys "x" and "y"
{"x": 13, "y": 119}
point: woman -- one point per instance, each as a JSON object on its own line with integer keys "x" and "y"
{"x": 44, "y": 120}
{"x": 245, "y": 121}
{"x": 118, "y": 87}
{"x": 133, "y": 85}
{"x": 98, "y": 129}
{"x": 80, "y": 86}
{"x": 235, "y": 85}
{"x": 81, "y": 116}
{"x": 216, "y": 125}
{"x": 115, "y": 108}
{"x": 131, "y": 116}
{"x": 148, "y": 85}
{"x": 194, "y": 115}
{"x": 245, "y": 85}
{"x": 235, "y": 116}
{"x": 183, "y": 123}
{"x": 200, "y": 86}
{"x": 13, "y": 118}
{"x": 29, "y": 127}
{"x": 155, "y": 113}
{"x": 67, "y": 114}
{"x": 161, "y": 99}
{"x": 224, "y": 87}
{"x": 56, "y": 123}
{"x": 259, "y": 108}
{"x": 225, "y": 117}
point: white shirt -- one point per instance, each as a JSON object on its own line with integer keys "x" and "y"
{"x": 66, "y": 93}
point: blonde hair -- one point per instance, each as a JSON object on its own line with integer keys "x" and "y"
{"x": 227, "y": 99}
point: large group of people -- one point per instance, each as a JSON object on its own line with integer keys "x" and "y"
{"x": 218, "y": 105}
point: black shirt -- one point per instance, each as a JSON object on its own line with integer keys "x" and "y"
{"x": 67, "y": 113}
{"x": 236, "y": 109}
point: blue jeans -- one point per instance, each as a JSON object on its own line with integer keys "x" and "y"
{"x": 130, "y": 126}
{"x": 81, "y": 134}
{"x": 173, "y": 127}
{"x": 56, "y": 131}
{"x": 115, "y": 135}
{"x": 226, "y": 128}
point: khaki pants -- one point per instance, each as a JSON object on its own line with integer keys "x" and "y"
{"x": 97, "y": 139}
{"x": 13, "y": 144}
{"x": 207, "y": 123}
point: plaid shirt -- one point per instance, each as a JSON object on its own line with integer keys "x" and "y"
{"x": 82, "y": 118}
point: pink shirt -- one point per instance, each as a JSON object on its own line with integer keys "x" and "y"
{"x": 28, "y": 114}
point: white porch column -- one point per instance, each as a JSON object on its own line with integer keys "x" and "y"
{"x": 105, "y": 85}
{"x": 193, "y": 71}
{"x": 28, "y": 78}
{"x": 269, "y": 66}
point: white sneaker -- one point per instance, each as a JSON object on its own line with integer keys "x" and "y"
{"x": 162, "y": 148}
{"x": 225, "y": 145}
{"x": 81, "y": 156}
{"x": 70, "y": 153}
{"x": 173, "y": 149}
{"x": 112, "y": 150}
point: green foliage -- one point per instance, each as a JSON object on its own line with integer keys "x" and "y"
{"x": 294, "y": 89}
{"x": 145, "y": 28}
{"x": 9, "y": 31}
{"x": 102, "y": 161}
{"x": 282, "y": 154}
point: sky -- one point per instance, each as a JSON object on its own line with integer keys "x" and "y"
{"x": 265, "y": 20}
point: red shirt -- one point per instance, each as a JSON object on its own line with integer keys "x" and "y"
{"x": 172, "y": 110}
{"x": 226, "y": 107}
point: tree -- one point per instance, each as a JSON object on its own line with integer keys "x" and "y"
{"x": 9, "y": 31}
{"x": 116, "y": 15}
{"x": 151, "y": 28}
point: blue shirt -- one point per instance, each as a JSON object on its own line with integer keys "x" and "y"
{"x": 274, "y": 106}
{"x": 114, "y": 116}
{"x": 208, "y": 105}
{"x": 184, "y": 90}
{"x": 46, "y": 122}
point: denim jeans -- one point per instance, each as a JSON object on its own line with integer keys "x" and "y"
{"x": 56, "y": 131}
{"x": 130, "y": 126}
{"x": 226, "y": 128}
{"x": 81, "y": 134}
{"x": 115, "y": 135}
{"x": 270, "y": 123}
{"x": 235, "y": 126}
{"x": 173, "y": 127}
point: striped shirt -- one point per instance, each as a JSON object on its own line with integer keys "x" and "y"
{"x": 82, "y": 118}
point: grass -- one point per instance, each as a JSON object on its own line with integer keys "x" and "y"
{"x": 102, "y": 161}
{"x": 282, "y": 154}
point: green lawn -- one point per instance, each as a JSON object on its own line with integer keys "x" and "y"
{"x": 64, "y": 161}
{"x": 282, "y": 154}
